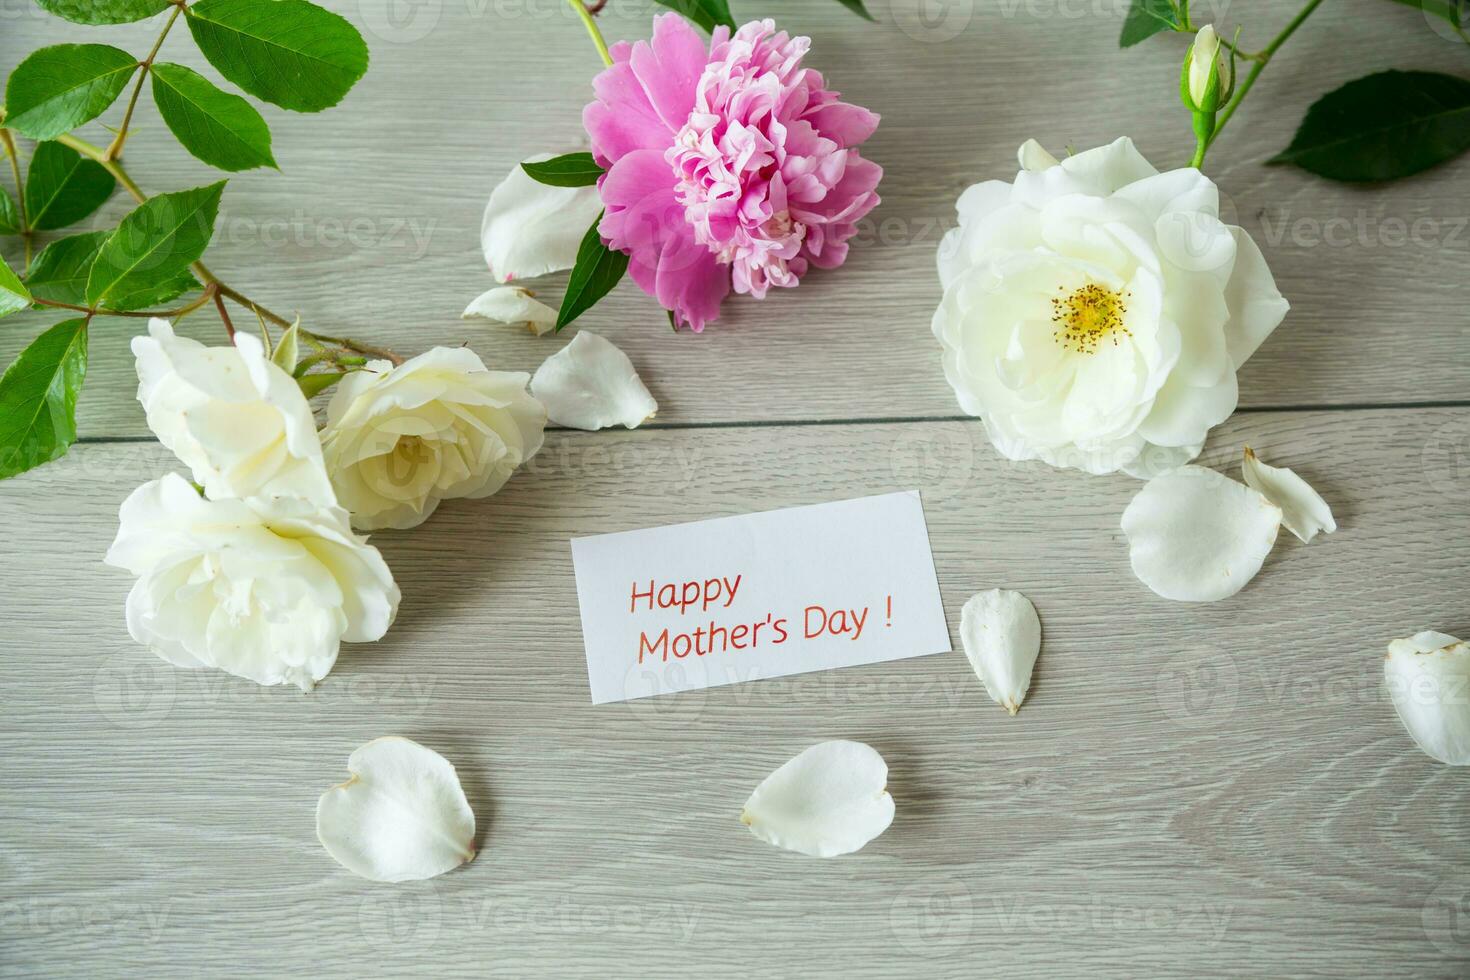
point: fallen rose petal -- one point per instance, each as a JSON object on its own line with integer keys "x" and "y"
{"x": 1303, "y": 510}
{"x": 513, "y": 305}
{"x": 1002, "y": 638}
{"x": 531, "y": 228}
{"x": 401, "y": 817}
{"x": 1428, "y": 679}
{"x": 590, "y": 384}
{"x": 1197, "y": 536}
{"x": 829, "y": 800}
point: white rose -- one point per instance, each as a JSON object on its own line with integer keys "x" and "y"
{"x": 400, "y": 439}
{"x": 263, "y": 588}
{"x": 239, "y": 422}
{"x": 1095, "y": 310}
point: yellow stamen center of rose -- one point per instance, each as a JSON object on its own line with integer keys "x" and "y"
{"x": 1088, "y": 316}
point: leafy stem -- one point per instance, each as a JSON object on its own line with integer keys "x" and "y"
{"x": 114, "y": 149}
{"x": 26, "y": 232}
{"x": 210, "y": 292}
{"x": 592, "y": 31}
{"x": 1261, "y": 59}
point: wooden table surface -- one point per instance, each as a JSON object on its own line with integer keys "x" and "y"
{"x": 1190, "y": 790}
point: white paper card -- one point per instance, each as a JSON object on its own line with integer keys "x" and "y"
{"x": 744, "y": 598}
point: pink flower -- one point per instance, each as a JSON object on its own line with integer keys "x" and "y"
{"x": 727, "y": 167}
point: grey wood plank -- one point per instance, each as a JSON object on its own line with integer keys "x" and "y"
{"x": 372, "y": 228}
{"x": 1189, "y": 790}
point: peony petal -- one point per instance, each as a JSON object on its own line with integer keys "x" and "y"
{"x": 513, "y": 305}
{"x": 1428, "y": 679}
{"x": 1303, "y": 510}
{"x": 1002, "y": 637}
{"x": 590, "y": 384}
{"x": 401, "y": 817}
{"x": 829, "y": 800}
{"x": 1197, "y": 536}
{"x": 531, "y": 228}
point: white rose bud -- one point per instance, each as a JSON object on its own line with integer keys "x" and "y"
{"x": 398, "y": 440}
{"x": 239, "y": 422}
{"x": 1204, "y": 73}
{"x": 264, "y": 588}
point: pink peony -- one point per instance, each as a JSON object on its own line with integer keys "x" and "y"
{"x": 732, "y": 166}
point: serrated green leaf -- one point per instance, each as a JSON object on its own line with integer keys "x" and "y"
{"x": 56, "y": 89}
{"x": 857, "y": 7}
{"x": 38, "y": 398}
{"x": 13, "y": 295}
{"x": 63, "y": 187}
{"x": 567, "y": 170}
{"x": 1388, "y": 125}
{"x": 706, "y": 14}
{"x": 152, "y": 246}
{"x": 1145, "y": 19}
{"x": 288, "y": 52}
{"x": 103, "y": 11}
{"x": 9, "y": 216}
{"x": 596, "y": 272}
{"x": 221, "y": 129}
{"x": 59, "y": 273}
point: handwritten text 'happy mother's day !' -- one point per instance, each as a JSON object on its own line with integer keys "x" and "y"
{"x": 697, "y": 597}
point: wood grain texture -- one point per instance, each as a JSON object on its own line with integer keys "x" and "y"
{"x": 1189, "y": 790}
{"x": 372, "y": 228}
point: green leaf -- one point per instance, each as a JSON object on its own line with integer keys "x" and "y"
{"x": 221, "y": 129}
{"x": 13, "y": 296}
{"x": 152, "y": 246}
{"x": 1384, "y": 126}
{"x": 856, "y": 6}
{"x": 568, "y": 170}
{"x": 1453, "y": 11}
{"x": 9, "y": 216}
{"x": 706, "y": 14}
{"x": 288, "y": 52}
{"x": 62, "y": 187}
{"x": 38, "y": 398}
{"x": 61, "y": 271}
{"x": 58, "y": 88}
{"x": 314, "y": 384}
{"x": 1145, "y": 19}
{"x": 103, "y": 11}
{"x": 597, "y": 271}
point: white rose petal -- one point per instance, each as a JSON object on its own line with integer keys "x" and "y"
{"x": 590, "y": 384}
{"x": 398, "y": 440}
{"x": 1428, "y": 679}
{"x": 401, "y": 817}
{"x": 239, "y": 422}
{"x": 532, "y": 228}
{"x": 1095, "y": 310}
{"x": 829, "y": 800}
{"x": 513, "y": 305}
{"x": 1197, "y": 536}
{"x": 264, "y": 588}
{"x": 1002, "y": 637}
{"x": 1303, "y": 510}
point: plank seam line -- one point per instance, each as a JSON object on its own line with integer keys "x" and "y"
{"x": 905, "y": 420}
